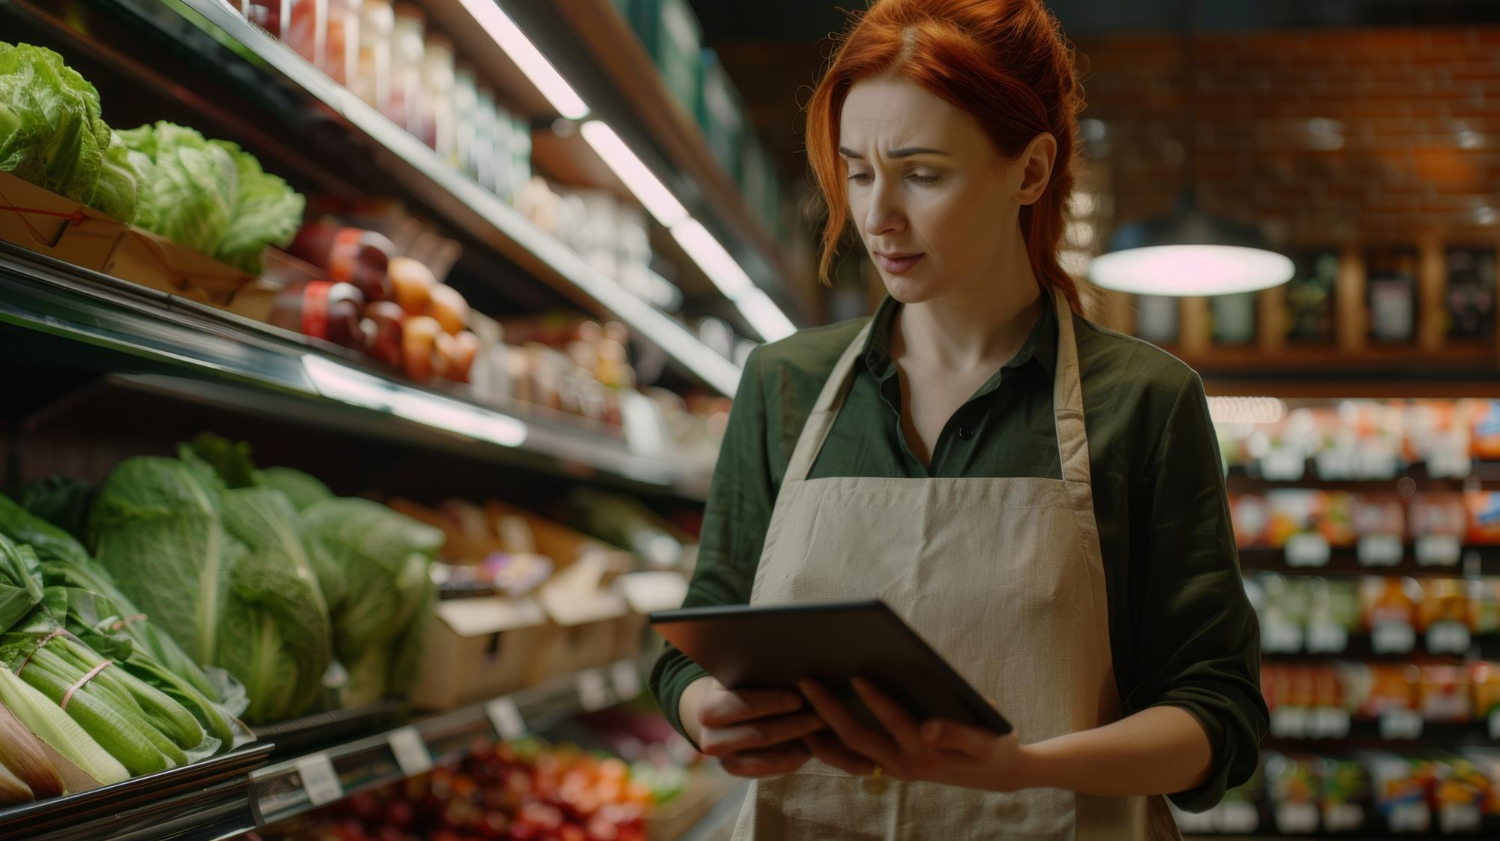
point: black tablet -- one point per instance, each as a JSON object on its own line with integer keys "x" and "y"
{"x": 759, "y": 647}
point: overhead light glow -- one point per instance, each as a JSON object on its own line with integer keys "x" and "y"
{"x": 763, "y": 314}
{"x": 1190, "y": 270}
{"x": 711, "y": 257}
{"x": 528, "y": 58}
{"x": 638, "y": 178}
{"x": 1246, "y": 410}
{"x": 348, "y": 385}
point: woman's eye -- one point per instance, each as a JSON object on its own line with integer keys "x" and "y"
{"x": 860, "y": 177}
{"x": 924, "y": 179}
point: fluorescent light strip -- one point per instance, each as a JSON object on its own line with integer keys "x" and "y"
{"x": 643, "y": 183}
{"x": 763, "y": 314}
{"x": 528, "y": 58}
{"x": 712, "y": 258}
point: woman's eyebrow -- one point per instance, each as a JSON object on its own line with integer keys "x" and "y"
{"x": 903, "y": 152}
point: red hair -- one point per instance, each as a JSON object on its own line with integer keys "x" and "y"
{"x": 1006, "y": 62}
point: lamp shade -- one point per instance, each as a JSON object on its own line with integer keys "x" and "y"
{"x": 1189, "y": 253}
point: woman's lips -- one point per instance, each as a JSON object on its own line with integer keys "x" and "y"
{"x": 898, "y": 263}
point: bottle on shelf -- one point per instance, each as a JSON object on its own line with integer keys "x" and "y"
{"x": 372, "y": 77}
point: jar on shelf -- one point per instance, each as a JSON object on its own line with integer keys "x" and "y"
{"x": 372, "y": 75}
{"x": 341, "y": 49}
{"x": 437, "y": 95}
{"x": 408, "y": 33}
{"x": 270, "y": 15}
{"x": 306, "y": 29}
{"x": 484, "y": 138}
{"x": 466, "y": 121}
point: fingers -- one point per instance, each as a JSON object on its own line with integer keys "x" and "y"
{"x": 767, "y": 763}
{"x": 973, "y": 742}
{"x": 829, "y": 750}
{"x": 864, "y": 741}
{"x": 758, "y": 734}
{"x": 722, "y": 707}
{"x": 891, "y": 715}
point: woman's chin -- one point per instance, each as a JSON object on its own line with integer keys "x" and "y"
{"x": 908, "y": 289}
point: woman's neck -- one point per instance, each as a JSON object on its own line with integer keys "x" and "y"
{"x": 982, "y": 325}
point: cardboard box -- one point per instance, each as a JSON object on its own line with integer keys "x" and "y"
{"x": 57, "y": 227}
{"x": 479, "y": 648}
{"x": 647, "y": 593}
{"x": 585, "y": 631}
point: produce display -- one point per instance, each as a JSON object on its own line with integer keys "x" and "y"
{"x": 529, "y": 790}
{"x": 1436, "y": 793}
{"x": 208, "y": 195}
{"x": 91, "y": 676}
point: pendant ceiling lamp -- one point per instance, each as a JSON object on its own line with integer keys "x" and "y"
{"x": 1189, "y": 252}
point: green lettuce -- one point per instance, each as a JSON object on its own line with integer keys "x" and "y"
{"x": 266, "y": 212}
{"x": 210, "y": 195}
{"x": 374, "y": 567}
{"x": 281, "y": 644}
{"x": 20, "y": 583}
{"x": 52, "y": 134}
{"x": 61, "y": 501}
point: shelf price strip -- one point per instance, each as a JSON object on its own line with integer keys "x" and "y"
{"x": 593, "y": 695}
{"x": 506, "y": 718}
{"x": 319, "y": 779}
{"x": 626, "y": 679}
{"x": 411, "y": 751}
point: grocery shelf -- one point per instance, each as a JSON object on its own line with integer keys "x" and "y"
{"x": 201, "y": 354}
{"x": 1360, "y": 647}
{"x": 643, "y": 105}
{"x": 300, "y": 784}
{"x": 1415, "y": 478}
{"x": 206, "y": 25}
{"x": 205, "y": 801}
{"x": 1344, "y": 560}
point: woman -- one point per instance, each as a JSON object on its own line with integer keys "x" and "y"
{"x": 1040, "y": 498}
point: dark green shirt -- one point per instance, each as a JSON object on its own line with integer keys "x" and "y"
{"x": 1181, "y": 629}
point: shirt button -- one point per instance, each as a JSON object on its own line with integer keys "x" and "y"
{"x": 966, "y": 433}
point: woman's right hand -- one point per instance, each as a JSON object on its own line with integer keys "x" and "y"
{"x": 754, "y": 733}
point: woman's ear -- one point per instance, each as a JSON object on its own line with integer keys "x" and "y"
{"x": 1036, "y": 161}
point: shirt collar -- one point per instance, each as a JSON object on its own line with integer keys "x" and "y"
{"x": 1040, "y": 347}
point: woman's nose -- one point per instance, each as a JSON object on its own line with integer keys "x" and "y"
{"x": 884, "y": 215}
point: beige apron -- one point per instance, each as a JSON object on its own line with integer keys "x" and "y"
{"x": 1003, "y": 577}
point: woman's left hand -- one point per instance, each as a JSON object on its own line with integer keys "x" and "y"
{"x": 935, "y": 751}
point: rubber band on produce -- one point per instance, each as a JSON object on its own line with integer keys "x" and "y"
{"x": 48, "y": 638}
{"x": 129, "y": 620}
{"x": 92, "y": 673}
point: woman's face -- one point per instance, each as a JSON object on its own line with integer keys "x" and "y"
{"x": 935, "y": 202}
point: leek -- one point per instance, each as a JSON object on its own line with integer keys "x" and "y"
{"x": 58, "y": 730}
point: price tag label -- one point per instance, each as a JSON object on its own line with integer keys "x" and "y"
{"x": 1237, "y": 818}
{"x": 1409, "y": 817}
{"x": 627, "y": 680}
{"x": 1196, "y": 824}
{"x": 1294, "y": 818}
{"x": 1307, "y": 550}
{"x": 1495, "y": 725}
{"x": 1324, "y": 637}
{"x": 1283, "y": 465}
{"x": 1329, "y": 724}
{"x": 1438, "y": 550}
{"x": 1447, "y": 637}
{"x": 1393, "y": 638}
{"x": 1290, "y": 722}
{"x": 1449, "y": 460}
{"x": 1281, "y": 637}
{"x": 319, "y": 779}
{"x": 1401, "y": 724}
{"x": 1454, "y": 818}
{"x": 411, "y": 751}
{"x": 506, "y": 718}
{"x": 1343, "y": 817}
{"x": 1380, "y": 550}
{"x": 592, "y": 693}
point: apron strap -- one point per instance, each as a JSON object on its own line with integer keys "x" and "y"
{"x": 1067, "y": 402}
{"x": 815, "y": 431}
{"x": 1067, "y": 399}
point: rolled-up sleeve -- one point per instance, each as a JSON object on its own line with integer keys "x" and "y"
{"x": 736, "y": 517}
{"x": 1199, "y": 642}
